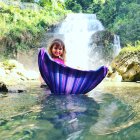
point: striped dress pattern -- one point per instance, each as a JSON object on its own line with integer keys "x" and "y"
{"x": 62, "y": 79}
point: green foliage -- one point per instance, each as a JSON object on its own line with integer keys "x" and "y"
{"x": 45, "y": 2}
{"x": 131, "y": 48}
{"x": 85, "y": 6}
{"x": 27, "y": 0}
{"x": 72, "y": 5}
{"x": 19, "y": 28}
{"x": 121, "y": 17}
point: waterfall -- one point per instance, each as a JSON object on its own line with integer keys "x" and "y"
{"x": 117, "y": 46}
{"x": 77, "y": 30}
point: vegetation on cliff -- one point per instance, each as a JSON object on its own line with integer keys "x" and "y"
{"x": 118, "y": 16}
{"x": 131, "y": 48}
{"x": 127, "y": 63}
{"x": 21, "y": 27}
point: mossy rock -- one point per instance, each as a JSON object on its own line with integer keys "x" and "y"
{"x": 102, "y": 48}
{"x": 127, "y": 64}
{"x": 11, "y": 64}
{"x": 103, "y": 37}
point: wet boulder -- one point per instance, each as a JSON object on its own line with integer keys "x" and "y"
{"x": 102, "y": 48}
{"x": 127, "y": 64}
{"x": 3, "y": 87}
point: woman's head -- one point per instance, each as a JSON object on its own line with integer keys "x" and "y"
{"x": 57, "y": 49}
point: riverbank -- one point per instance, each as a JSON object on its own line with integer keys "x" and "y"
{"x": 14, "y": 77}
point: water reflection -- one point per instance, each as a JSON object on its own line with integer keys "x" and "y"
{"x": 70, "y": 114}
{"x": 42, "y": 116}
{"x": 114, "y": 116}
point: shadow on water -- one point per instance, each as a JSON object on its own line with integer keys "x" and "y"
{"x": 72, "y": 117}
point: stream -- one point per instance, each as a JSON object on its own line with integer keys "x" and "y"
{"x": 109, "y": 112}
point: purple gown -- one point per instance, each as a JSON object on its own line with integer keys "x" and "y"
{"x": 62, "y": 79}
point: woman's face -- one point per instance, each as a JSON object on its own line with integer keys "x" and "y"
{"x": 57, "y": 50}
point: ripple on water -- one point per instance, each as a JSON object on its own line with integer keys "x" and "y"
{"x": 74, "y": 117}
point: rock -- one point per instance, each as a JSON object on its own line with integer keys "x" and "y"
{"x": 102, "y": 48}
{"x": 102, "y": 38}
{"x": 113, "y": 75}
{"x": 17, "y": 89}
{"x": 14, "y": 76}
{"x": 127, "y": 64}
{"x": 11, "y": 64}
{"x": 3, "y": 87}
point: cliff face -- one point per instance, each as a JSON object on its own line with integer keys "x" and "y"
{"x": 127, "y": 64}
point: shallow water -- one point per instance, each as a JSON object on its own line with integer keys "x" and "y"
{"x": 109, "y": 112}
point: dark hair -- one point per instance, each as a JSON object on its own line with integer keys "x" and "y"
{"x": 57, "y": 42}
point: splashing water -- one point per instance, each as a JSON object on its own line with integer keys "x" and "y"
{"x": 77, "y": 30}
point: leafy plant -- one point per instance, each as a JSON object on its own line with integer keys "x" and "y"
{"x": 19, "y": 28}
{"x": 118, "y": 16}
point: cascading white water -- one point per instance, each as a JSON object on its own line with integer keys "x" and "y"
{"x": 117, "y": 46}
{"x": 77, "y": 30}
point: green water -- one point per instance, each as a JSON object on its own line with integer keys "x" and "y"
{"x": 109, "y": 112}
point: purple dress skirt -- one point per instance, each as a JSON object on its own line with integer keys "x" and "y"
{"x": 62, "y": 79}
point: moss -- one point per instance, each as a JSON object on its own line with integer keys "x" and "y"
{"x": 8, "y": 65}
{"x": 127, "y": 63}
{"x": 131, "y": 49}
